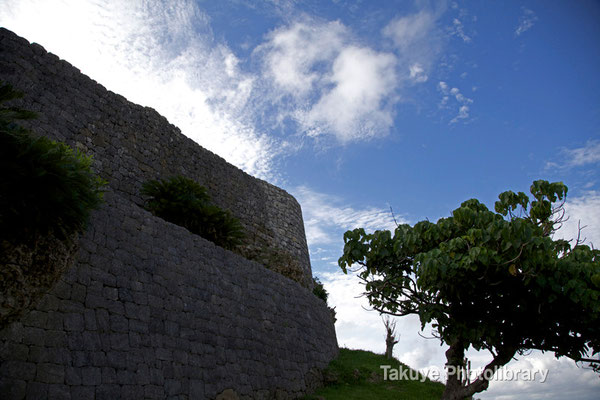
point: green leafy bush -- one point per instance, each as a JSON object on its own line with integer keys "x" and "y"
{"x": 319, "y": 290}
{"x": 45, "y": 186}
{"x": 184, "y": 202}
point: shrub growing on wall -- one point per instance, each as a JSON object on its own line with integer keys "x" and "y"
{"x": 47, "y": 192}
{"x": 45, "y": 185}
{"x": 184, "y": 202}
{"x": 320, "y": 291}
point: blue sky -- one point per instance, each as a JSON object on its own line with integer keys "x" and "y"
{"x": 358, "y": 106}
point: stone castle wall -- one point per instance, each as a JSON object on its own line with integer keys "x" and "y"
{"x": 150, "y": 310}
{"x": 131, "y": 144}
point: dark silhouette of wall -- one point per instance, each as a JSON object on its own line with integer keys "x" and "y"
{"x": 150, "y": 310}
{"x": 131, "y": 144}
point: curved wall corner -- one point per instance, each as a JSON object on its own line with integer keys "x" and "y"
{"x": 150, "y": 310}
{"x": 131, "y": 144}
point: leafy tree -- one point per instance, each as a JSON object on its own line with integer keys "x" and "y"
{"x": 487, "y": 280}
{"x": 184, "y": 202}
{"x": 45, "y": 186}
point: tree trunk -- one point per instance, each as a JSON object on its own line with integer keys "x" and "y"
{"x": 459, "y": 388}
{"x": 389, "y": 346}
{"x": 455, "y": 357}
{"x": 390, "y": 339}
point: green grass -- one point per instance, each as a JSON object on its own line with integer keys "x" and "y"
{"x": 356, "y": 374}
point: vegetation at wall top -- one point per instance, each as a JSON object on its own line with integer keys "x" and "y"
{"x": 319, "y": 290}
{"x": 184, "y": 202}
{"x": 45, "y": 186}
{"x": 357, "y": 374}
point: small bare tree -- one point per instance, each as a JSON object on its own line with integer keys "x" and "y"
{"x": 391, "y": 337}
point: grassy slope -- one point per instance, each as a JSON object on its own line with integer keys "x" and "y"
{"x": 356, "y": 374}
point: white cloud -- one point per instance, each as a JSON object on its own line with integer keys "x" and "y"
{"x": 417, "y": 42}
{"x": 526, "y": 21}
{"x": 411, "y": 30}
{"x": 459, "y": 30}
{"x": 588, "y": 154}
{"x": 583, "y": 211}
{"x": 355, "y": 108}
{"x": 157, "y": 54}
{"x": 463, "y": 113}
{"x": 326, "y": 217}
{"x": 417, "y": 73}
{"x": 359, "y": 328}
{"x": 564, "y": 380}
{"x": 326, "y": 83}
{"x": 292, "y": 54}
{"x": 462, "y": 101}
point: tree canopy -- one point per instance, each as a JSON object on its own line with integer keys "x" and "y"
{"x": 487, "y": 280}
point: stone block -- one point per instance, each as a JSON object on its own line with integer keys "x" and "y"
{"x": 59, "y": 392}
{"x": 103, "y": 320}
{"x": 78, "y": 292}
{"x": 164, "y": 354}
{"x": 138, "y": 326}
{"x": 111, "y": 293}
{"x": 154, "y": 392}
{"x": 108, "y": 392}
{"x": 71, "y": 306}
{"x": 37, "y": 319}
{"x": 34, "y": 336}
{"x": 89, "y": 317}
{"x": 91, "y": 376}
{"x": 54, "y": 320}
{"x": 73, "y": 322}
{"x": 62, "y": 290}
{"x": 135, "y": 340}
{"x": 119, "y": 341}
{"x": 18, "y": 370}
{"x": 13, "y": 389}
{"x": 119, "y": 323}
{"x": 173, "y": 387}
{"x": 142, "y": 375}
{"x": 14, "y": 351}
{"x": 55, "y": 338}
{"x": 83, "y": 392}
{"x": 37, "y": 390}
{"x": 72, "y": 376}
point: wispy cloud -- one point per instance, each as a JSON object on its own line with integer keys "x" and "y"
{"x": 588, "y": 154}
{"x": 458, "y": 29}
{"x": 461, "y": 101}
{"x": 158, "y": 54}
{"x": 327, "y": 217}
{"x": 526, "y": 21}
{"x": 578, "y": 157}
{"x": 411, "y": 30}
{"x": 417, "y": 42}
{"x": 417, "y": 73}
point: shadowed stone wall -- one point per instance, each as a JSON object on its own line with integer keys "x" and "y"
{"x": 150, "y": 310}
{"x": 131, "y": 144}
